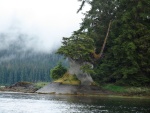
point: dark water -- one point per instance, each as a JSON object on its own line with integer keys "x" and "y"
{"x": 35, "y": 103}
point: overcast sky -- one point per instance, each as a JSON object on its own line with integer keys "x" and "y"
{"x": 44, "y": 22}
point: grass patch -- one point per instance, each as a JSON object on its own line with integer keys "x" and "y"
{"x": 138, "y": 91}
{"x": 127, "y": 90}
{"x": 68, "y": 79}
{"x": 114, "y": 88}
{"x": 39, "y": 85}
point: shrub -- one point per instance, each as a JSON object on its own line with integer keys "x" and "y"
{"x": 57, "y": 71}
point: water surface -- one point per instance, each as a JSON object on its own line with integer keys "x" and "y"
{"x": 38, "y": 103}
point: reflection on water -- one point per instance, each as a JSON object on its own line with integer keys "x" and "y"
{"x": 35, "y": 103}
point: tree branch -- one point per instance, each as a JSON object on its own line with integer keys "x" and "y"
{"x": 98, "y": 56}
{"x": 105, "y": 40}
{"x": 83, "y": 2}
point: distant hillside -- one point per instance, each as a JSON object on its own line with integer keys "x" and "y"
{"x": 26, "y": 66}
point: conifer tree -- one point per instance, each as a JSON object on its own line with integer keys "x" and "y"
{"x": 125, "y": 58}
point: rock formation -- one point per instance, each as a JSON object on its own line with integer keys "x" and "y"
{"x": 75, "y": 69}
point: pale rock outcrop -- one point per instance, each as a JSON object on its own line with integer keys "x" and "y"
{"x": 75, "y": 69}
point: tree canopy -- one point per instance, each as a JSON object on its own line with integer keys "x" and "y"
{"x": 77, "y": 47}
{"x": 57, "y": 71}
{"x": 125, "y": 59}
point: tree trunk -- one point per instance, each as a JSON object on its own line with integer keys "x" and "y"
{"x": 98, "y": 56}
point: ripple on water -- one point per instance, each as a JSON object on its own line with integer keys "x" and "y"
{"x": 22, "y": 103}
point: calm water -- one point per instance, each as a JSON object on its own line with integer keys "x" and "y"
{"x": 35, "y": 103}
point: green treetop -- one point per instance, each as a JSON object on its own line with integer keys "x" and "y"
{"x": 77, "y": 47}
{"x": 125, "y": 58}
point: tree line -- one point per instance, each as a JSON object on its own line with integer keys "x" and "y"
{"x": 32, "y": 68}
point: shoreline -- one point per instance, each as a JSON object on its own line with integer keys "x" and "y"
{"x": 58, "y": 88}
{"x": 85, "y": 95}
{"x": 55, "y": 88}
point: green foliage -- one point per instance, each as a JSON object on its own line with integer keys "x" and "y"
{"x": 87, "y": 68}
{"x": 114, "y": 88}
{"x": 77, "y": 47}
{"x": 131, "y": 42}
{"x": 138, "y": 91}
{"x": 68, "y": 79}
{"x": 127, "y": 90}
{"x": 126, "y": 58}
{"x": 39, "y": 85}
{"x": 58, "y": 71}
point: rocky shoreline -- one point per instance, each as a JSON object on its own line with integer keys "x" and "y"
{"x": 65, "y": 89}
{"x": 25, "y": 87}
{"x": 56, "y": 88}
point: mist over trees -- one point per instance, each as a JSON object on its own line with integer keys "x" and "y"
{"x": 21, "y": 60}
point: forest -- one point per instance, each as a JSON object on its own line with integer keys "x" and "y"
{"x": 31, "y": 67}
{"x": 114, "y": 37}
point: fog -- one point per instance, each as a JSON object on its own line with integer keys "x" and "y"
{"x": 37, "y": 25}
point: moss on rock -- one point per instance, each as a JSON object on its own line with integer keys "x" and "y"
{"x": 68, "y": 79}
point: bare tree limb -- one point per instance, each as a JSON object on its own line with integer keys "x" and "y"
{"x": 98, "y": 56}
{"x": 105, "y": 40}
{"x": 83, "y": 2}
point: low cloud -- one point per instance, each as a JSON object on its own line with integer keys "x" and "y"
{"x": 7, "y": 58}
{"x": 36, "y": 25}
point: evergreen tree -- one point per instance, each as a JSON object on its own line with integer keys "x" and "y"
{"x": 130, "y": 30}
{"x": 129, "y": 45}
{"x": 125, "y": 59}
{"x": 77, "y": 47}
{"x": 32, "y": 68}
{"x": 57, "y": 71}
